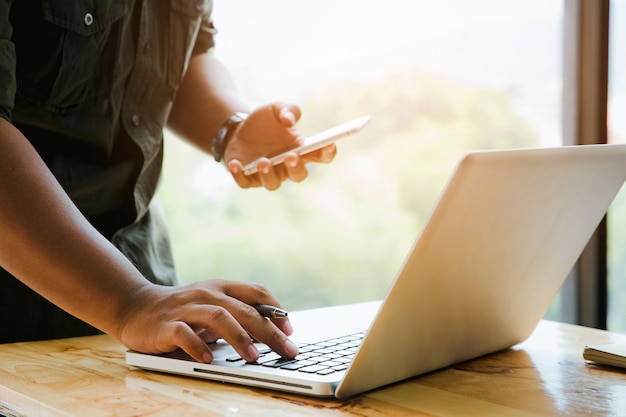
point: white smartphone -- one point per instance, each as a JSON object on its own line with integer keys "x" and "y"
{"x": 314, "y": 142}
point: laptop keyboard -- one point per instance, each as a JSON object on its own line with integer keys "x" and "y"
{"x": 322, "y": 358}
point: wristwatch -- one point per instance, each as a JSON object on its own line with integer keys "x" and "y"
{"x": 220, "y": 140}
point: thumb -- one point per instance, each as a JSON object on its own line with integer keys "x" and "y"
{"x": 287, "y": 114}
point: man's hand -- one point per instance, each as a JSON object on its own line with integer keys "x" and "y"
{"x": 270, "y": 130}
{"x": 163, "y": 319}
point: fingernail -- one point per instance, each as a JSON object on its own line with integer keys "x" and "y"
{"x": 265, "y": 170}
{"x": 289, "y": 116}
{"x": 253, "y": 353}
{"x": 287, "y": 328}
{"x": 207, "y": 357}
{"x": 293, "y": 164}
{"x": 291, "y": 349}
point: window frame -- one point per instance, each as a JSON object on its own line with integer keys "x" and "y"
{"x": 585, "y": 100}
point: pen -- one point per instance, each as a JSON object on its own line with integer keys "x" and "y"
{"x": 270, "y": 311}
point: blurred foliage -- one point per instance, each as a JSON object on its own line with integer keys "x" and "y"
{"x": 616, "y": 254}
{"x": 341, "y": 235}
{"x": 616, "y": 262}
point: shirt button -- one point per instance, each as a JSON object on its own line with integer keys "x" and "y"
{"x": 88, "y": 19}
{"x": 135, "y": 119}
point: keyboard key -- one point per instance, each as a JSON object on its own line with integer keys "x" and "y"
{"x": 326, "y": 371}
{"x": 294, "y": 366}
{"x": 278, "y": 363}
{"x": 313, "y": 369}
{"x": 314, "y": 347}
{"x": 265, "y": 358}
{"x": 345, "y": 353}
{"x": 331, "y": 364}
{"x": 306, "y": 355}
{"x": 330, "y": 356}
{"x": 268, "y": 358}
{"x": 319, "y": 359}
{"x": 323, "y": 351}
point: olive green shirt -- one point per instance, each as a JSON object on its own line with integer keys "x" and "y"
{"x": 91, "y": 84}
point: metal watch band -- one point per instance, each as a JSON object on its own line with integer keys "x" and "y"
{"x": 220, "y": 140}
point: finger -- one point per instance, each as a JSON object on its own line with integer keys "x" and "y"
{"x": 296, "y": 171}
{"x": 179, "y": 334}
{"x": 242, "y": 180}
{"x": 253, "y": 294}
{"x": 264, "y": 330}
{"x": 274, "y": 337}
{"x": 219, "y": 320}
{"x": 328, "y": 153}
{"x": 283, "y": 324}
{"x": 322, "y": 155}
{"x": 269, "y": 177}
{"x": 231, "y": 314}
{"x": 207, "y": 336}
{"x": 287, "y": 114}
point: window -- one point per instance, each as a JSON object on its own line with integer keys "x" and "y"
{"x": 438, "y": 78}
{"x": 617, "y": 134}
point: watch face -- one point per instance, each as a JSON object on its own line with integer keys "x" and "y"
{"x": 241, "y": 116}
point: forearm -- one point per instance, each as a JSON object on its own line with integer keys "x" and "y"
{"x": 206, "y": 98}
{"x": 48, "y": 245}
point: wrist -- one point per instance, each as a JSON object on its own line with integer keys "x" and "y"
{"x": 135, "y": 300}
{"x": 225, "y": 134}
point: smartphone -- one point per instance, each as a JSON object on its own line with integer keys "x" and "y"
{"x": 315, "y": 142}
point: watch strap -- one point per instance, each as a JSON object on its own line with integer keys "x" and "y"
{"x": 218, "y": 146}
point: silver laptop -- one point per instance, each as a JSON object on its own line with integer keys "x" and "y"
{"x": 501, "y": 240}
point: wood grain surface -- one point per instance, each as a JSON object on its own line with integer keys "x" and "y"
{"x": 544, "y": 376}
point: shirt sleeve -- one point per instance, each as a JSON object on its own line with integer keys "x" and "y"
{"x": 205, "y": 40}
{"x": 8, "y": 84}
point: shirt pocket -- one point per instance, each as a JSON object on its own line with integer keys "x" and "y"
{"x": 87, "y": 43}
{"x": 185, "y": 21}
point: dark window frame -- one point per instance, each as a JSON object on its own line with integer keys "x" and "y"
{"x": 585, "y": 92}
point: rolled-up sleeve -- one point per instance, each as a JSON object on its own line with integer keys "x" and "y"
{"x": 8, "y": 85}
{"x": 205, "y": 40}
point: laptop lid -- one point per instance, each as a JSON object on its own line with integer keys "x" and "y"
{"x": 499, "y": 244}
{"x": 501, "y": 240}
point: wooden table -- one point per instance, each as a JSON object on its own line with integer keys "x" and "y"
{"x": 544, "y": 376}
